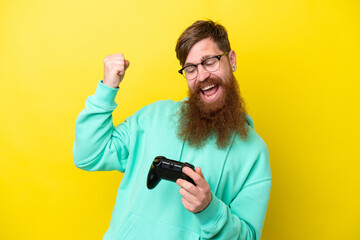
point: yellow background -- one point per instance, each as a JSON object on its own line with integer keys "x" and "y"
{"x": 298, "y": 69}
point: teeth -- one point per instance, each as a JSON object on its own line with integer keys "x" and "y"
{"x": 209, "y": 97}
{"x": 208, "y": 87}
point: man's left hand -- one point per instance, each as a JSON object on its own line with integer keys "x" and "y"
{"x": 195, "y": 198}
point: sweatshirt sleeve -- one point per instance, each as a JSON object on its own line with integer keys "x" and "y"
{"x": 245, "y": 216}
{"x": 99, "y": 146}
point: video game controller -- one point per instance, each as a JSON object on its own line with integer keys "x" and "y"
{"x": 163, "y": 168}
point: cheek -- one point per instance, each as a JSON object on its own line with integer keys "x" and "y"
{"x": 191, "y": 85}
{"x": 225, "y": 76}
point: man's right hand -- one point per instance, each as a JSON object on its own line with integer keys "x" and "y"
{"x": 115, "y": 66}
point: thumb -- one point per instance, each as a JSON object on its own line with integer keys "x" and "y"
{"x": 127, "y": 64}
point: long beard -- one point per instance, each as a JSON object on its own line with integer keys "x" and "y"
{"x": 199, "y": 120}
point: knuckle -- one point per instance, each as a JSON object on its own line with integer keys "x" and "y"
{"x": 110, "y": 66}
{"x": 185, "y": 185}
{"x": 191, "y": 187}
{"x": 197, "y": 178}
{"x": 107, "y": 61}
{"x": 119, "y": 56}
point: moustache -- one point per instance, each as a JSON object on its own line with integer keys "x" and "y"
{"x": 207, "y": 82}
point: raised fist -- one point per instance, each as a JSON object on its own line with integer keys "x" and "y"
{"x": 115, "y": 66}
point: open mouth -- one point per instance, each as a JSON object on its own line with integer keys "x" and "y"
{"x": 210, "y": 91}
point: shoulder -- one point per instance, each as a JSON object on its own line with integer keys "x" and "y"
{"x": 157, "y": 112}
{"x": 162, "y": 106}
{"x": 253, "y": 142}
{"x": 253, "y": 152}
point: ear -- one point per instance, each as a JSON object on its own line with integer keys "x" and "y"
{"x": 232, "y": 58}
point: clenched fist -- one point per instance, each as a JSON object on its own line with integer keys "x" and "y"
{"x": 115, "y": 66}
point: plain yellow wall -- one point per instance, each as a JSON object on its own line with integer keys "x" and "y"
{"x": 298, "y": 69}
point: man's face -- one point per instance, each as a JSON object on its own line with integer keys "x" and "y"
{"x": 215, "y": 105}
{"x": 209, "y": 84}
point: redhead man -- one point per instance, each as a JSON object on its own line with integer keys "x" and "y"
{"x": 210, "y": 130}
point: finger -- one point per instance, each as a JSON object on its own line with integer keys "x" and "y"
{"x": 114, "y": 57}
{"x": 188, "y": 196}
{"x": 127, "y": 64}
{"x": 186, "y": 204}
{"x": 191, "y": 207}
{"x": 198, "y": 170}
{"x": 187, "y": 186}
{"x": 199, "y": 181}
{"x": 117, "y": 55}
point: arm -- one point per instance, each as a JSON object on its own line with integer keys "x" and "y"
{"x": 244, "y": 217}
{"x": 98, "y": 144}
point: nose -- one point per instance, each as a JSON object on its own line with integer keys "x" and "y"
{"x": 202, "y": 73}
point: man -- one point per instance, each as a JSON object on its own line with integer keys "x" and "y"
{"x": 210, "y": 130}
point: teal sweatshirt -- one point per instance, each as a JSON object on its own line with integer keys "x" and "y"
{"x": 239, "y": 175}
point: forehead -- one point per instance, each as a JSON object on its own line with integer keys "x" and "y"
{"x": 202, "y": 49}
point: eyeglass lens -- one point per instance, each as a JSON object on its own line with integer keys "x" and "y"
{"x": 210, "y": 65}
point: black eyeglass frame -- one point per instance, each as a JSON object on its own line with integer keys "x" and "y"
{"x": 202, "y": 63}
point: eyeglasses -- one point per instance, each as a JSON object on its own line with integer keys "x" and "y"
{"x": 210, "y": 64}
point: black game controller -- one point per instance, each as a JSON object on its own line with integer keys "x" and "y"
{"x": 163, "y": 168}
